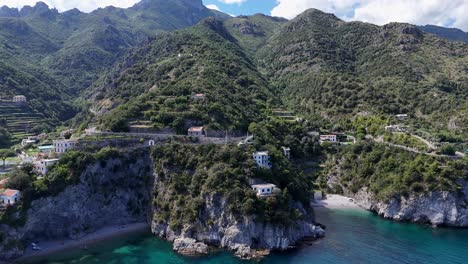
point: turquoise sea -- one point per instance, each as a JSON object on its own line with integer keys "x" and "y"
{"x": 353, "y": 236}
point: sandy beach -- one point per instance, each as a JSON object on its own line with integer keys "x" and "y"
{"x": 51, "y": 247}
{"x": 336, "y": 201}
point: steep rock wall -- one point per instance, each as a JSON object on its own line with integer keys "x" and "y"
{"x": 438, "y": 208}
{"x": 247, "y": 236}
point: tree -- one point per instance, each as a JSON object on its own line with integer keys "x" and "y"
{"x": 447, "y": 150}
{"x": 4, "y": 154}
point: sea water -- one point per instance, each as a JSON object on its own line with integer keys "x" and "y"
{"x": 352, "y": 236}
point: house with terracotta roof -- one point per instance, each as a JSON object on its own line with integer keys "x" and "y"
{"x": 199, "y": 97}
{"x": 10, "y": 197}
{"x": 196, "y": 131}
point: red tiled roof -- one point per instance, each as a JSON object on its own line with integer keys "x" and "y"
{"x": 10, "y": 193}
{"x": 4, "y": 181}
{"x": 196, "y": 129}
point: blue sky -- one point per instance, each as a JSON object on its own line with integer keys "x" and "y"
{"x": 248, "y": 8}
{"x": 448, "y": 13}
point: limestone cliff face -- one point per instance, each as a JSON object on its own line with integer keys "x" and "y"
{"x": 438, "y": 208}
{"x": 112, "y": 192}
{"x": 119, "y": 191}
{"x": 246, "y": 236}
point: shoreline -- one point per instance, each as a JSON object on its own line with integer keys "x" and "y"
{"x": 334, "y": 201}
{"x": 58, "y": 246}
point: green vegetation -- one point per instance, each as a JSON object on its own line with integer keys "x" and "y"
{"x": 339, "y": 70}
{"x": 52, "y": 57}
{"x": 6, "y": 153}
{"x": 406, "y": 140}
{"x": 191, "y": 173}
{"x": 390, "y": 172}
{"x": 64, "y": 173}
{"x": 158, "y": 85}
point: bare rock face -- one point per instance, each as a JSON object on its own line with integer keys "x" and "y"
{"x": 116, "y": 191}
{"x": 10, "y": 243}
{"x": 189, "y": 247}
{"x": 247, "y": 238}
{"x": 440, "y": 208}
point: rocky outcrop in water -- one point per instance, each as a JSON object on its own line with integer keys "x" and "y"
{"x": 439, "y": 208}
{"x": 247, "y": 237}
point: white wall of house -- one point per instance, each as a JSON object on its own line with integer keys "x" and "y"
{"x": 11, "y": 199}
{"x": 329, "y": 138}
{"x": 62, "y": 146}
{"x": 263, "y": 159}
{"x": 264, "y": 189}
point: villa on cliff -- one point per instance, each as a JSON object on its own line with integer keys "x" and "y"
{"x": 198, "y": 97}
{"x": 62, "y": 146}
{"x": 263, "y": 159}
{"x": 19, "y": 99}
{"x": 10, "y": 197}
{"x": 264, "y": 189}
{"x": 328, "y": 138}
{"x": 196, "y": 131}
{"x": 42, "y": 165}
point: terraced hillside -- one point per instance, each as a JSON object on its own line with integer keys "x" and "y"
{"x": 21, "y": 120}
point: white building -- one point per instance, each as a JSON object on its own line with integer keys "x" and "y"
{"x": 42, "y": 165}
{"x": 19, "y": 99}
{"x": 264, "y": 189}
{"x": 286, "y": 152}
{"x": 199, "y": 97}
{"x": 27, "y": 142}
{"x": 62, "y": 146}
{"x": 263, "y": 159}
{"x": 328, "y": 138}
{"x": 10, "y": 197}
{"x": 196, "y": 131}
{"x": 396, "y": 128}
{"x": 318, "y": 195}
{"x": 401, "y": 116}
{"x": 151, "y": 143}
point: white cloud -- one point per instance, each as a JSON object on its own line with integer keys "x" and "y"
{"x": 214, "y": 7}
{"x": 438, "y": 12}
{"x": 232, "y": 1}
{"x": 63, "y": 5}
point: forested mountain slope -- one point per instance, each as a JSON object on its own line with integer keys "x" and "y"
{"x": 156, "y": 83}
{"x": 338, "y": 69}
{"x": 52, "y": 57}
{"x": 448, "y": 33}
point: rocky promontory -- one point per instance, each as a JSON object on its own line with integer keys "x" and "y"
{"x": 439, "y": 208}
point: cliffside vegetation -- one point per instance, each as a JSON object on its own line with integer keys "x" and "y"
{"x": 64, "y": 173}
{"x": 156, "y": 83}
{"x": 391, "y": 172}
{"x": 187, "y": 175}
{"x": 53, "y": 57}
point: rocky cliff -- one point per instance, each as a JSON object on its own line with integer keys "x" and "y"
{"x": 115, "y": 191}
{"x": 402, "y": 185}
{"x": 439, "y": 208}
{"x": 247, "y": 236}
{"x": 125, "y": 188}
